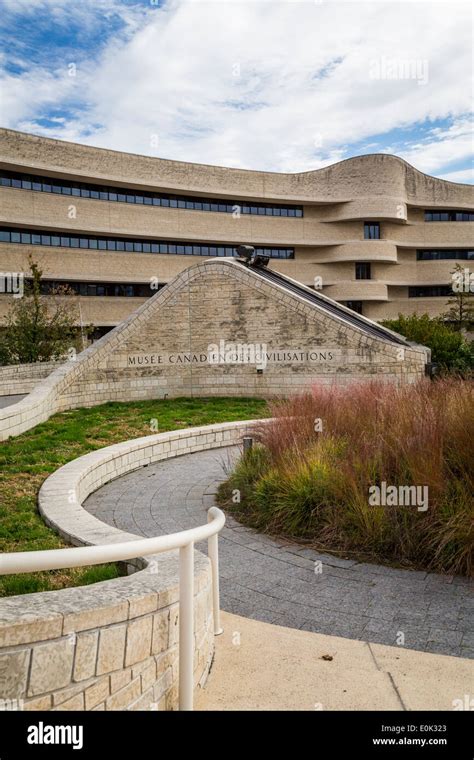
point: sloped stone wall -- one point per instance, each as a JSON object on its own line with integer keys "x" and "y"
{"x": 162, "y": 349}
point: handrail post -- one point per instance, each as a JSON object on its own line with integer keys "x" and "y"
{"x": 213, "y": 554}
{"x": 186, "y": 626}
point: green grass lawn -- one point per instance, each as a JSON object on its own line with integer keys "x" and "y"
{"x": 26, "y": 461}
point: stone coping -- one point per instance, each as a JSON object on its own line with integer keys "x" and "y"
{"x": 60, "y": 504}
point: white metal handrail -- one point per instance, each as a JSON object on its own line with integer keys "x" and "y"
{"x": 58, "y": 559}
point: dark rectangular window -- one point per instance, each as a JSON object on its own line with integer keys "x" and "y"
{"x": 371, "y": 231}
{"x": 429, "y": 291}
{"x": 362, "y": 270}
{"x": 355, "y": 306}
{"x": 444, "y": 254}
{"x": 449, "y": 216}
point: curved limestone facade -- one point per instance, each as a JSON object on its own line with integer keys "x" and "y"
{"x": 377, "y": 234}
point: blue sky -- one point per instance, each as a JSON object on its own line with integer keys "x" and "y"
{"x": 282, "y": 86}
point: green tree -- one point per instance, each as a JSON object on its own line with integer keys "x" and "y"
{"x": 39, "y": 328}
{"x": 448, "y": 347}
{"x": 461, "y": 304}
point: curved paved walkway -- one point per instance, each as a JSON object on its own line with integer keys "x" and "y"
{"x": 10, "y": 400}
{"x": 276, "y": 582}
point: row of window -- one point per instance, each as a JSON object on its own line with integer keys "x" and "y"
{"x": 29, "y": 237}
{"x": 143, "y": 198}
{"x": 429, "y": 291}
{"x": 441, "y": 254}
{"x": 109, "y": 289}
{"x": 449, "y": 216}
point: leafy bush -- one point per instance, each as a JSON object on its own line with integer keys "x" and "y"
{"x": 449, "y": 348}
{"x": 301, "y": 483}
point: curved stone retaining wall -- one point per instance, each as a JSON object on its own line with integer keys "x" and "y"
{"x": 17, "y": 379}
{"x": 111, "y": 645}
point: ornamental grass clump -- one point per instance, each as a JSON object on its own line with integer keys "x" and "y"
{"x": 370, "y": 471}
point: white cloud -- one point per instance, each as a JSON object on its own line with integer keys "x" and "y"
{"x": 283, "y": 86}
{"x": 465, "y": 176}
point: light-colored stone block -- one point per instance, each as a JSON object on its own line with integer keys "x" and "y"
{"x": 111, "y": 649}
{"x": 75, "y": 703}
{"x": 139, "y": 635}
{"x": 40, "y": 703}
{"x": 51, "y": 666}
{"x": 13, "y": 673}
{"x": 86, "y": 655}
{"x": 120, "y": 679}
{"x": 161, "y": 623}
{"x": 96, "y": 693}
{"x": 121, "y": 699}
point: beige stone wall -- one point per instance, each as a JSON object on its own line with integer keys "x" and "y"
{"x": 112, "y": 645}
{"x": 22, "y": 378}
{"x": 209, "y": 302}
{"x": 217, "y": 301}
